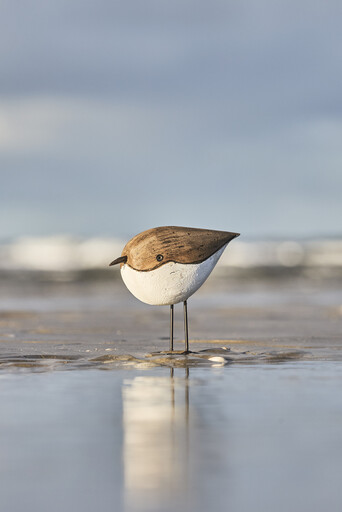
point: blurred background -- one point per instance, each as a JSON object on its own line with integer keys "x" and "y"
{"x": 120, "y": 116}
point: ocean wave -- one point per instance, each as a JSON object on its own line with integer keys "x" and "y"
{"x": 68, "y": 254}
{"x": 58, "y": 253}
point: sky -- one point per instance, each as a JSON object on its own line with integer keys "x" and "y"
{"x": 116, "y": 117}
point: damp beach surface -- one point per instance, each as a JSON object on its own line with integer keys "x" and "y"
{"x": 96, "y": 416}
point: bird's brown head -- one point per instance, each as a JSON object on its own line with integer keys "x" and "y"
{"x": 155, "y": 247}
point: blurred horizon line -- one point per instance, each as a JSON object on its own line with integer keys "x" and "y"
{"x": 69, "y": 253}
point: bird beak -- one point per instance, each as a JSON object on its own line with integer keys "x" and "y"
{"x": 122, "y": 259}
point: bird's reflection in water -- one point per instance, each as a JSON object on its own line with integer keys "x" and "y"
{"x": 156, "y": 417}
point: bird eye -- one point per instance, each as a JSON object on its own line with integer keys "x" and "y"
{"x": 159, "y": 257}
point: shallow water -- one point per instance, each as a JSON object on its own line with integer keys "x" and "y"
{"x": 260, "y": 437}
{"x": 95, "y": 416}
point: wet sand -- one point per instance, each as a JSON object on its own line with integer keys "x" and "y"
{"x": 250, "y": 420}
{"x": 99, "y": 324}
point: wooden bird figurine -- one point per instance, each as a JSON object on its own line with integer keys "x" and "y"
{"x": 166, "y": 265}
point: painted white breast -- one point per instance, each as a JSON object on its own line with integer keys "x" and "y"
{"x": 169, "y": 284}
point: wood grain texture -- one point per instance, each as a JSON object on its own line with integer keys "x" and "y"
{"x": 173, "y": 243}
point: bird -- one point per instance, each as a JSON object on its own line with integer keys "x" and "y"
{"x": 164, "y": 266}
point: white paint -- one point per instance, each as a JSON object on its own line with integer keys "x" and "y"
{"x": 169, "y": 284}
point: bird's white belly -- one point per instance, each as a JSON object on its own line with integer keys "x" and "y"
{"x": 169, "y": 284}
